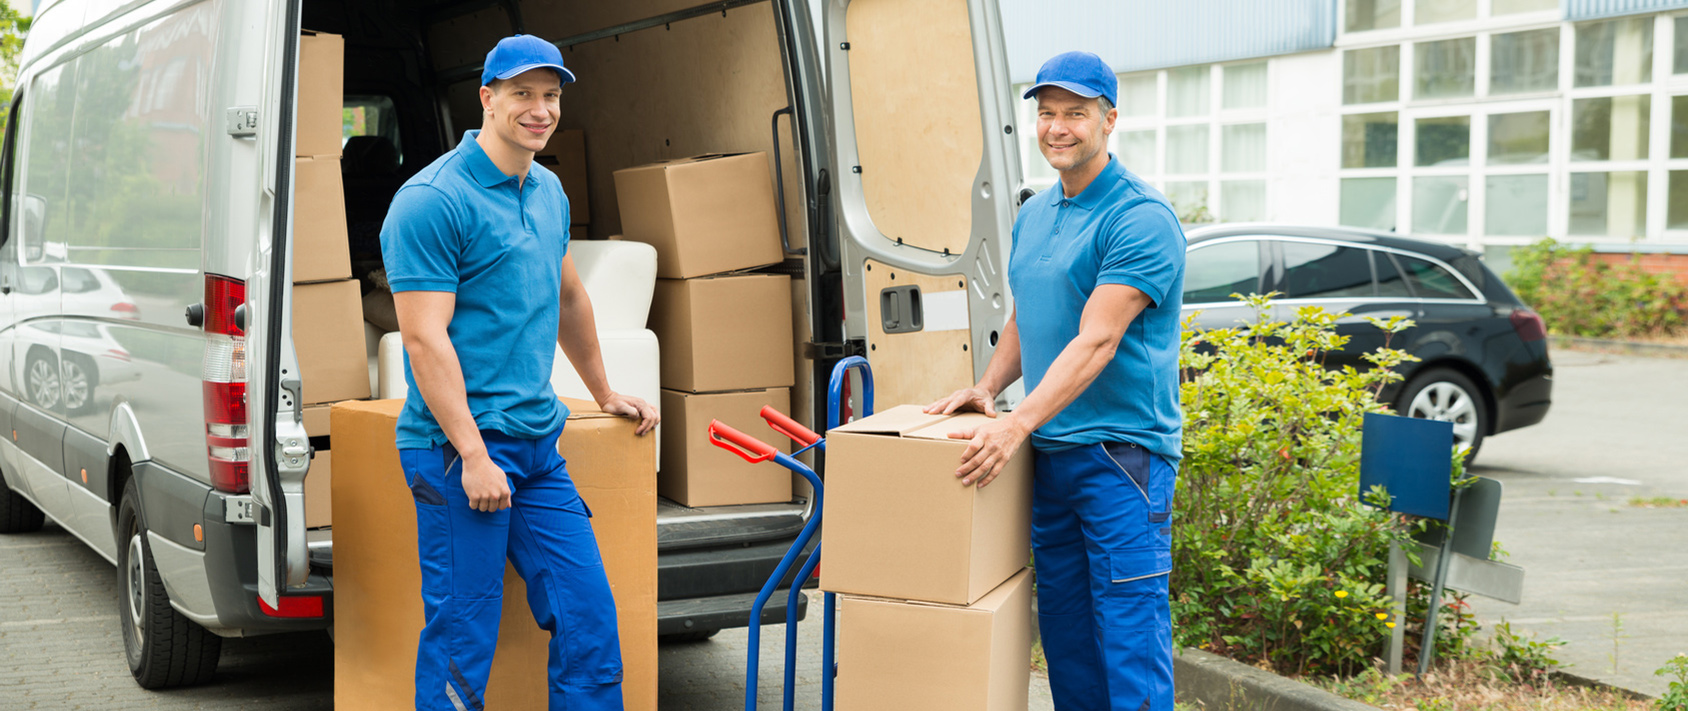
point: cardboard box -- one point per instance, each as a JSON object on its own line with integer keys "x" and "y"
{"x": 707, "y": 214}
{"x": 316, "y": 420}
{"x": 319, "y": 490}
{"x": 328, "y": 340}
{"x": 321, "y": 247}
{"x": 565, "y": 155}
{"x": 377, "y": 582}
{"x": 697, "y": 473}
{"x": 724, "y": 333}
{"x": 899, "y": 524}
{"x": 322, "y": 81}
{"x": 894, "y": 654}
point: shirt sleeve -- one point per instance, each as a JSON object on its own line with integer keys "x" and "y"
{"x": 1142, "y": 248}
{"x": 421, "y": 244}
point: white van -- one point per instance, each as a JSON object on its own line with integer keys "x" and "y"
{"x": 149, "y": 389}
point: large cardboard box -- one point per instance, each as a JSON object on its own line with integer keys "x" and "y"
{"x": 899, "y": 524}
{"x": 565, "y": 155}
{"x": 697, "y": 473}
{"x": 322, "y": 81}
{"x": 377, "y": 583}
{"x": 706, "y": 214}
{"x": 321, "y": 249}
{"x": 729, "y": 332}
{"x": 319, "y": 490}
{"x": 316, "y": 420}
{"x": 895, "y": 654}
{"x": 328, "y": 340}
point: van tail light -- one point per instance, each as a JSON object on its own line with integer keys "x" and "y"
{"x": 300, "y": 606}
{"x": 226, "y": 440}
{"x": 124, "y": 309}
{"x": 1528, "y": 324}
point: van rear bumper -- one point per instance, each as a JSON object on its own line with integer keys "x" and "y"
{"x": 231, "y": 569}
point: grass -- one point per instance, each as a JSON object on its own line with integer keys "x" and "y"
{"x": 1470, "y": 686}
{"x": 1657, "y": 502}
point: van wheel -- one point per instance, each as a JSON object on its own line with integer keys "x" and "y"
{"x": 164, "y": 648}
{"x": 17, "y": 515}
{"x": 1446, "y": 395}
{"x": 77, "y": 385}
{"x": 42, "y": 377}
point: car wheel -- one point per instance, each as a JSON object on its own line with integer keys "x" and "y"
{"x": 41, "y": 374}
{"x": 697, "y": 636}
{"x": 1446, "y": 395}
{"x": 77, "y": 385}
{"x": 17, "y": 515}
{"x": 164, "y": 648}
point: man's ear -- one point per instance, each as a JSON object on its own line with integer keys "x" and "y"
{"x": 486, "y": 98}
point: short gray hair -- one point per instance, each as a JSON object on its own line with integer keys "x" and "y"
{"x": 1103, "y": 106}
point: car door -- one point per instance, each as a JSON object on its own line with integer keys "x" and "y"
{"x": 1216, "y": 269}
{"x": 926, "y": 174}
{"x": 1340, "y": 278}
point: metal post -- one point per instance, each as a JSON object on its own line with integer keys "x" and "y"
{"x": 1397, "y": 588}
{"x": 1428, "y": 650}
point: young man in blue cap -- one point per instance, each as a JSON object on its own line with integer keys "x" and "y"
{"x": 1097, "y": 271}
{"x": 476, "y": 249}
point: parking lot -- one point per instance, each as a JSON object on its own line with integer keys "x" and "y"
{"x": 1615, "y": 434}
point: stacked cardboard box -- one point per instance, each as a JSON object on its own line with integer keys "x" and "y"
{"x": 725, "y": 334}
{"x": 936, "y": 601}
{"x": 327, "y": 306}
{"x": 565, "y": 155}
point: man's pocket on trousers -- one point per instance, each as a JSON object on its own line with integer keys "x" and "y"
{"x": 1135, "y": 464}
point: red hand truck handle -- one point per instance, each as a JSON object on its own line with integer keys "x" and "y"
{"x": 789, "y": 427}
{"x": 745, "y": 446}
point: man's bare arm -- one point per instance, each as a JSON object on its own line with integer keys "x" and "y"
{"x": 424, "y": 317}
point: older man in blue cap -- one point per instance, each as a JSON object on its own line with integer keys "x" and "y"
{"x": 476, "y": 249}
{"x": 1097, "y": 271}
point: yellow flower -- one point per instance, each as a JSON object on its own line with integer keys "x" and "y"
{"x": 1341, "y": 593}
{"x": 1383, "y": 615}
{"x": 1390, "y": 625}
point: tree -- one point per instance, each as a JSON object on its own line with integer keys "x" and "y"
{"x": 13, "y": 27}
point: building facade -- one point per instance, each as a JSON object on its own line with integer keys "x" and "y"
{"x": 1485, "y": 123}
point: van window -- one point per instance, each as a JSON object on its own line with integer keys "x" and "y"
{"x": 369, "y": 132}
{"x": 1433, "y": 282}
{"x": 1325, "y": 271}
{"x": 1213, "y": 274}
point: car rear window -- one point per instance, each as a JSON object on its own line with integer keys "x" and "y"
{"x": 1390, "y": 282}
{"x": 1430, "y": 281}
{"x": 1325, "y": 271}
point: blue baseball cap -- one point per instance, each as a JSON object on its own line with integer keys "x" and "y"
{"x": 1081, "y": 73}
{"x": 521, "y": 53}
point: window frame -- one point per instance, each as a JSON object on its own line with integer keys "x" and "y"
{"x": 1278, "y": 269}
{"x": 8, "y": 161}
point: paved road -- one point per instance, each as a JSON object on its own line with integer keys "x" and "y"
{"x": 1587, "y": 552}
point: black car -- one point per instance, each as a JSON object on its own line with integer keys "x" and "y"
{"x": 1483, "y": 353}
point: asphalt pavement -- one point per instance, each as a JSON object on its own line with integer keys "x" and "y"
{"x": 1604, "y": 569}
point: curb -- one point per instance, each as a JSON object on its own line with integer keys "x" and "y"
{"x": 1570, "y": 679}
{"x": 1608, "y": 345}
{"x": 1219, "y": 684}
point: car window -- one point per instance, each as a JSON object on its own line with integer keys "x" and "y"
{"x": 1213, "y": 274}
{"x": 37, "y": 280}
{"x": 376, "y": 117}
{"x": 1433, "y": 282}
{"x": 1325, "y": 271}
{"x": 78, "y": 281}
{"x": 1390, "y": 282}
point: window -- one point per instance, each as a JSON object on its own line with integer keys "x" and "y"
{"x": 1441, "y": 204}
{"x": 1445, "y": 69}
{"x": 1524, "y": 61}
{"x": 1519, "y": 138}
{"x": 375, "y": 117}
{"x": 1517, "y": 205}
{"x": 1610, "y": 128}
{"x": 1508, "y": 7}
{"x": 1370, "y": 140}
{"x": 1368, "y": 202}
{"x": 1138, "y": 96}
{"x": 1365, "y": 15}
{"x": 1615, "y": 52}
{"x": 1679, "y": 123}
{"x": 1676, "y": 215}
{"x": 1242, "y": 148}
{"x": 1188, "y": 197}
{"x": 1443, "y": 141}
{"x": 1325, "y": 271}
{"x": 1212, "y": 274}
{"x": 1137, "y": 151}
{"x": 1432, "y": 11}
{"x": 1187, "y": 91}
{"x": 1609, "y": 204}
{"x": 1390, "y": 282}
{"x": 1679, "y": 62}
{"x": 1186, "y": 149}
{"x": 1371, "y": 75}
{"x": 1245, "y": 86}
{"x": 1430, "y": 281}
{"x": 1242, "y": 200}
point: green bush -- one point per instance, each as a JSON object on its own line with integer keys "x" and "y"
{"x": 1579, "y": 294}
{"x": 1676, "y": 697}
{"x": 1275, "y": 560}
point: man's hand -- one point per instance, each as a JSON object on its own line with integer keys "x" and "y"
{"x": 487, "y": 485}
{"x": 976, "y": 399}
{"x": 992, "y": 445}
{"x": 631, "y": 408}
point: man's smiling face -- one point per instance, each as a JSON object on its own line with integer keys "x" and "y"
{"x": 1071, "y": 129}
{"x": 523, "y": 110}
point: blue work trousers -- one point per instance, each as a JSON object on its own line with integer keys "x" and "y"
{"x": 1102, "y": 546}
{"x": 547, "y": 536}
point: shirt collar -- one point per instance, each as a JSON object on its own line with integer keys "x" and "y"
{"x": 1099, "y": 187}
{"x": 480, "y": 164}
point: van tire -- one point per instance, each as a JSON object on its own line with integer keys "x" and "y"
{"x": 164, "y": 649}
{"x": 17, "y": 515}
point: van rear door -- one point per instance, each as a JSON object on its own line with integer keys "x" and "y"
{"x": 927, "y": 172}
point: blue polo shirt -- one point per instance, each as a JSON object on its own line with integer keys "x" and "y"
{"x": 463, "y": 226}
{"x": 1118, "y": 231}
